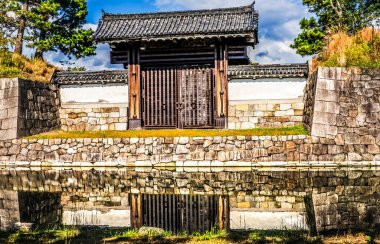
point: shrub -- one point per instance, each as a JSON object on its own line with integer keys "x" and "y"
{"x": 359, "y": 50}
{"x": 14, "y": 65}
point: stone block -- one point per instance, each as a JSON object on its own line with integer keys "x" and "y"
{"x": 319, "y": 130}
{"x": 8, "y": 123}
{"x": 3, "y": 114}
{"x": 285, "y": 106}
{"x": 242, "y": 107}
{"x": 328, "y": 84}
{"x": 326, "y": 95}
{"x": 324, "y": 118}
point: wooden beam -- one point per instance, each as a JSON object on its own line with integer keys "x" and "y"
{"x": 221, "y": 86}
{"x": 135, "y": 121}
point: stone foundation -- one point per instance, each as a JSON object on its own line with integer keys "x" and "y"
{"x": 93, "y": 117}
{"x": 151, "y": 151}
{"x": 27, "y": 108}
{"x": 265, "y": 114}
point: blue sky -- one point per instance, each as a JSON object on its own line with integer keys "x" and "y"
{"x": 278, "y": 26}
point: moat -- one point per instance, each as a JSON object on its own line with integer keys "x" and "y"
{"x": 193, "y": 198}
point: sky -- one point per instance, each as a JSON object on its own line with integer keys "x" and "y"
{"x": 278, "y": 26}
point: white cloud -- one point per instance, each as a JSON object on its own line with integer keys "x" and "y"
{"x": 90, "y": 26}
{"x": 101, "y": 61}
{"x": 276, "y": 51}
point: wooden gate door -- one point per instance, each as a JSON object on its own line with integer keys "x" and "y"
{"x": 178, "y": 97}
{"x": 180, "y": 213}
{"x": 196, "y": 98}
{"x": 160, "y": 97}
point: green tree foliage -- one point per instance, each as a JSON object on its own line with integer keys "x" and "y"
{"x": 333, "y": 16}
{"x": 53, "y": 25}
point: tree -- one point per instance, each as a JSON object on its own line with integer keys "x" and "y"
{"x": 57, "y": 25}
{"x": 50, "y": 25}
{"x": 7, "y": 23}
{"x": 333, "y": 16}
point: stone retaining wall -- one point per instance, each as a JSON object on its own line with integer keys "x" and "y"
{"x": 27, "y": 108}
{"x": 265, "y": 114}
{"x": 93, "y": 117}
{"x": 346, "y": 106}
{"x": 151, "y": 151}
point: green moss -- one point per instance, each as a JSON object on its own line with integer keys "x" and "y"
{"x": 296, "y": 130}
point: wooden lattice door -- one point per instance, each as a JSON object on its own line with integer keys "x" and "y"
{"x": 178, "y": 97}
{"x": 160, "y": 97}
{"x": 180, "y": 213}
{"x": 196, "y": 97}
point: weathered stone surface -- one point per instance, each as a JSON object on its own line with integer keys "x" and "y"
{"x": 265, "y": 115}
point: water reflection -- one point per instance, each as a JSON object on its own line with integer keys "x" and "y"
{"x": 102, "y": 197}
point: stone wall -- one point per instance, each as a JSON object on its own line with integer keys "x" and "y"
{"x": 346, "y": 109}
{"x": 9, "y": 109}
{"x": 209, "y": 151}
{"x": 93, "y": 117}
{"x": 150, "y": 151}
{"x": 27, "y": 108}
{"x": 264, "y": 114}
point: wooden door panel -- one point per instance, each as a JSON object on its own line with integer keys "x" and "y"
{"x": 179, "y": 213}
{"x": 196, "y": 97}
{"x": 178, "y": 97}
{"x": 159, "y": 97}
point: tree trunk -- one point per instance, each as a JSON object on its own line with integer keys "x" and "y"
{"x": 39, "y": 54}
{"x": 21, "y": 28}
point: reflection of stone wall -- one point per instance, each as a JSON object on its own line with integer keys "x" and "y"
{"x": 9, "y": 209}
{"x": 40, "y": 208}
{"x": 342, "y": 198}
{"x": 265, "y": 114}
{"x": 93, "y": 117}
{"x": 27, "y": 108}
{"x": 349, "y": 207}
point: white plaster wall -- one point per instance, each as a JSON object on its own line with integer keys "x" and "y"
{"x": 246, "y": 219}
{"x": 266, "y": 89}
{"x": 109, "y": 93}
{"x": 111, "y": 218}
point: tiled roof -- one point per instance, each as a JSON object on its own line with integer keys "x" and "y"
{"x": 227, "y": 22}
{"x": 268, "y": 71}
{"x": 90, "y": 77}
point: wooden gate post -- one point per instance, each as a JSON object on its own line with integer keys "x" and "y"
{"x": 135, "y": 118}
{"x": 223, "y": 213}
{"x": 136, "y": 210}
{"x": 221, "y": 86}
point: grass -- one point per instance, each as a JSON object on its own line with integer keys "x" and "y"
{"x": 104, "y": 235}
{"x": 40, "y": 236}
{"x": 13, "y": 65}
{"x": 296, "y": 130}
{"x": 359, "y": 50}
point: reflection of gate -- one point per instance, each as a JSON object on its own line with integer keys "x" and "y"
{"x": 180, "y": 213}
{"x": 178, "y": 97}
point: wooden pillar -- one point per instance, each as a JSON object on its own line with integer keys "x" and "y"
{"x": 221, "y": 86}
{"x": 223, "y": 213}
{"x": 136, "y": 210}
{"x": 135, "y": 116}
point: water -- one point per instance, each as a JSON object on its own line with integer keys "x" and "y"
{"x": 262, "y": 198}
